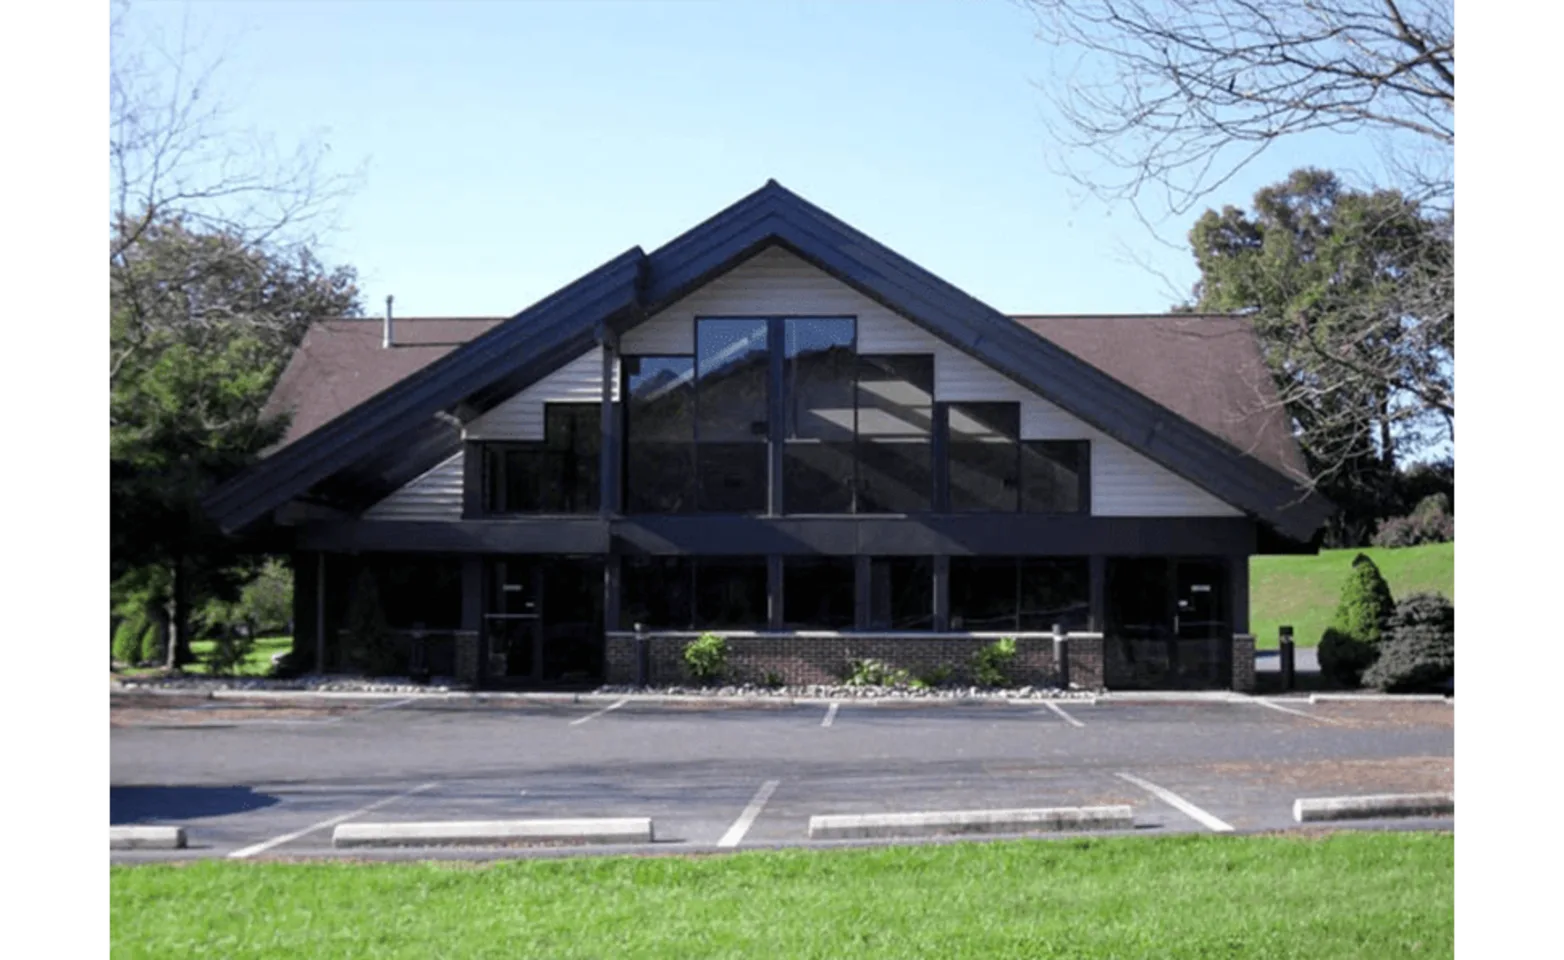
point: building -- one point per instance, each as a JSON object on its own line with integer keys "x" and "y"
{"x": 776, "y": 428}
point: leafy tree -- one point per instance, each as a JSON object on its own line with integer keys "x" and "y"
{"x": 1352, "y": 297}
{"x": 212, "y": 283}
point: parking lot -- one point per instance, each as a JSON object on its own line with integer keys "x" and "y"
{"x": 272, "y": 778}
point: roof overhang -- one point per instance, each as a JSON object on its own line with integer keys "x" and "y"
{"x": 368, "y": 447}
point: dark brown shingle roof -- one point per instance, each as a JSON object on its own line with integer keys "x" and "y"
{"x": 1205, "y": 368}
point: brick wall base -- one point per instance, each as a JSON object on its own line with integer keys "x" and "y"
{"x": 467, "y": 657}
{"x": 805, "y": 660}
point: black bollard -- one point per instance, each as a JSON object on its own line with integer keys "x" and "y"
{"x": 1286, "y": 658}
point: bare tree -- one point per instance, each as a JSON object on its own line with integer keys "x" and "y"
{"x": 1179, "y": 95}
{"x": 178, "y": 161}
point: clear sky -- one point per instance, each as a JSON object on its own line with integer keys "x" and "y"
{"x": 507, "y": 148}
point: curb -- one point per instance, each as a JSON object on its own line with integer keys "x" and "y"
{"x": 863, "y": 826}
{"x": 1380, "y": 698}
{"x": 587, "y": 698}
{"x": 1175, "y": 696}
{"x": 1314, "y": 809}
{"x": 146, "y": 838}
{"x": 480, "y": 832}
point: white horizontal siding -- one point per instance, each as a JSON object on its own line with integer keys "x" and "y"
{"x": 521, "y": 417}
{"x": 436, "y": 495}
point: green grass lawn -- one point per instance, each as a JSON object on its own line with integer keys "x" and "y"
{"x": 257, "y": 664}
{"x": 1303, "y": 590}
{"x": 1364, "y": 894}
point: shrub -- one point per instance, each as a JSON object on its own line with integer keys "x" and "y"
{"x": 1365, "y": 603}
{"x": 1418, "y": 652}
{"x": 133, "y": 638}
{"x": 1344, "y": 658}
{"x": 773, "y": 680}
{"x": 875, "y": 673}
{"x": 991, "y": 665}
{"x": 932, "y": 677}
{"x": 1432, "y": 521}
{"x": 706, "y": 657}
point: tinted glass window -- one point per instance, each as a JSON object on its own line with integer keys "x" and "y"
{"x": 656, "y": 592}
{"x": 901, "y": 593}
{"x": 819, "y": 371}
{"x": 1055, "y": 590}
{"x": 983, "y": 456}
{"x": 732, "y": 477}
{"x": 659, "y": 404}
{"x": 817, "y": 477}
{"x": 730, "y": 592}
{"x": 732, "y": 369}
{"x": 895, "y": 397}
{"x": 983, "y": 593}
{"x": 1054, "y": 476}
{"x": 559, "y": 475}
{"x": 817, "y": 592}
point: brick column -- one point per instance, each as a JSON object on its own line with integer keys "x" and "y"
{"x": 1243, "y": 662}
{"x": 466, "y": 657}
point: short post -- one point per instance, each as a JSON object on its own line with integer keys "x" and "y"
{"x": 641, "y": 658}
{"x": 1062, "y": 656}
{"x": 1285, "y": 644}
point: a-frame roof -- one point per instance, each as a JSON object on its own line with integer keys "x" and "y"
{"x": 371, "y": 442}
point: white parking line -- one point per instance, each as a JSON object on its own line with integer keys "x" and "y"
{"x": 386, "y": 706}
{"x": 612, "y": 706}
{"x": 1179, "y": 803}
{"x": 1060, "y": 711}
{"x": 1295, "y": 712}
{"x": 747, "y": 818}
{"x": 830, "y": 715}
{"x": 265, "y": 845}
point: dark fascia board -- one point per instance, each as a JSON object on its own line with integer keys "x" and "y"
{"x": 775, "y": 216}
{"x": 522, "y": 349}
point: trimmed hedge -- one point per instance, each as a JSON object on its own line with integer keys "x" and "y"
{"x": 1418, "y": 654}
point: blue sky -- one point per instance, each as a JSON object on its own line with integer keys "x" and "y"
{"x": 509, "y": 147}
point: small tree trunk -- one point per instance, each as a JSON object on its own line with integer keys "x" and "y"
{"x": 179, "y": 639}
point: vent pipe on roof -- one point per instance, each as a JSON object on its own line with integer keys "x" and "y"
{"x": 387, "y": 341}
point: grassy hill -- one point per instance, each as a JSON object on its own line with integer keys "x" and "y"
{"x": 1302, "y": 591}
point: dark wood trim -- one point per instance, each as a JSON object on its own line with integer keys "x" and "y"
{"x": 997, "y": 534}
{"x": 612, "y": 579}
{"x": 1238, "y": 593}
{"x": 535, "y": 535}
{"x": 473, "y": 480}
{"x": 776, "y": 412}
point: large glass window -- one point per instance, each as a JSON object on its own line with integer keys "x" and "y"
{"x": 730, "y": 592}
{"x": 1055, "y": 476}
{"x": 659, "y": 403}
{"x": 819, "y": 370}
{"x": 895, "y": 426}
{"x": 1055, "y": 590}
{"x": 817, "y": 592}
{"x": 982, "y": 453}
{"x": 1027, "y": 593}
{"x": 657, "y": 592}
{"x": 901, "y": 593}
{"x": 732, "y": 424}
{"x": 559, "y": 475}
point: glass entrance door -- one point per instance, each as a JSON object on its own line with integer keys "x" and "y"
{"x": 511, "y": 624}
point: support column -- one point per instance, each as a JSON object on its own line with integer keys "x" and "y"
{"x": 611, "y": 575}
{"x": 776, "y": 422}
{"x": 470, "y": 638}
{"x": 611, "y": 449}
{"x": 320, "y": 612}
{"x": 1098, "y": 592}
{"x": 941, "y": 593}
{"x": 774, "y": 592}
